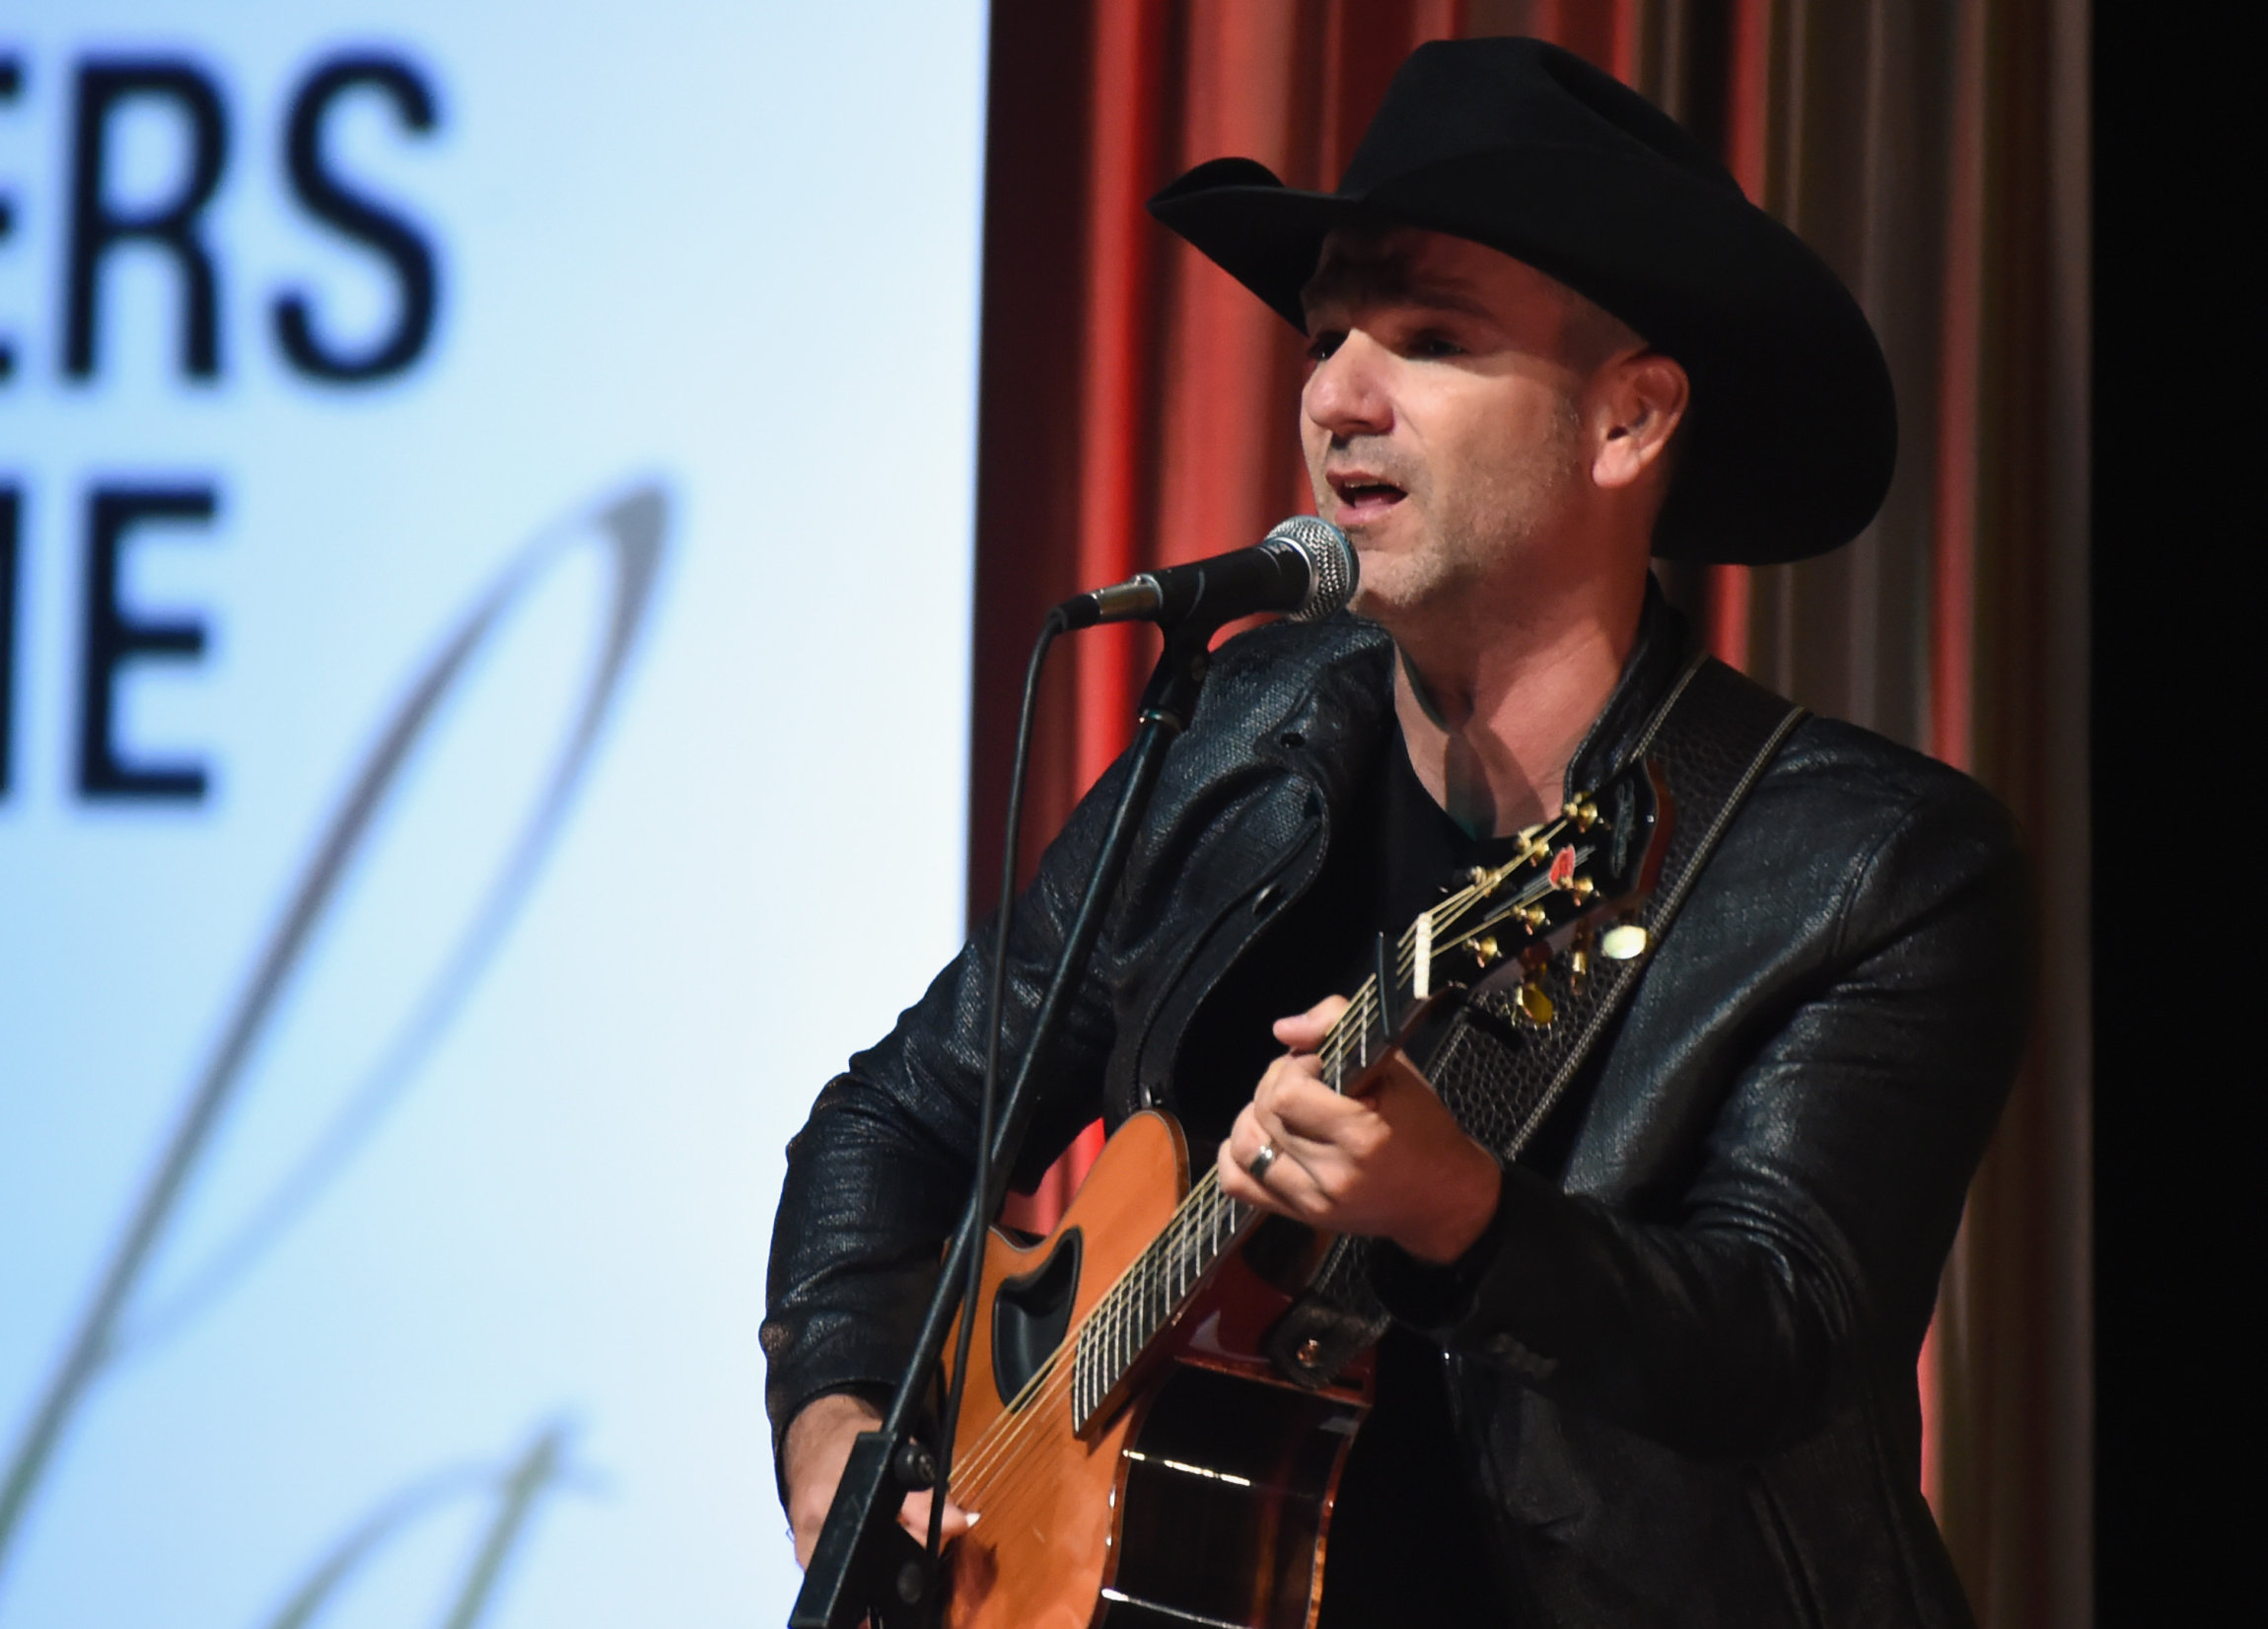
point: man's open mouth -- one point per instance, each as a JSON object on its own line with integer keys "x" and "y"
{"x": 1362, "y": 497}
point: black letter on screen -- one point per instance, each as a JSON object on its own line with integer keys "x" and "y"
{"x": 113, "y": 638}
{"x": 11, "y": 84}
{"x": 172, "y": 225}
{"x": 321, "y": 190}
{"x": 11, "y": 519}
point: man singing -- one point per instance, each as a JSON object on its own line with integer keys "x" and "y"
{"x": 1651, "y": 1359}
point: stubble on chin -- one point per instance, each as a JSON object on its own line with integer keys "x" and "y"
{"x": 1461, "y": 552}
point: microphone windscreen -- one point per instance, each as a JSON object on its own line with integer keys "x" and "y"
{"x": 1333, "y": 570}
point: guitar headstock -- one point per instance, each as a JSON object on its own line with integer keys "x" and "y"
{"x": 1571, "y": 889}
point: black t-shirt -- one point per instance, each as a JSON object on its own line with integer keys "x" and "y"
{"x": 1409, "y": 1541}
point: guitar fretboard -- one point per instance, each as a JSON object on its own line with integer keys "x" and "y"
{"x": 1153, "y": 1292}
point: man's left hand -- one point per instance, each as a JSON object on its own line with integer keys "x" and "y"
{"x": 1391, "y": 1165}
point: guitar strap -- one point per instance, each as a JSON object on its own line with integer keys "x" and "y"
{"x": 1500, "y": 1073}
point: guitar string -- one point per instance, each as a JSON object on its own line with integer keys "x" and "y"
{"x": 1113, "y": 1311}
{"x": 1534, "y": 842}
{"x": 1101, "y": 1337}
{"x": 994, "y": 1476}
{"x": 1104, "y": 1327}
{"x": 994, "y": 1451}
{"x": 1007, "y": 1497}
{"x": 1105, "y": 1317}
{"x": 1363, "y": 1008}
{"x": 988, "y": 1469}
{"x": 1019, "y": 1475}
{"x": 1055, "y": 1376}
{"x": 1365, "y": 1002}
{"x": 1010, "y": 1476}
{"x": 1110, "y": 1316}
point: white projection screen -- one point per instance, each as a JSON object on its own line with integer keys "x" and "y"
{"x": 486, "y": 502}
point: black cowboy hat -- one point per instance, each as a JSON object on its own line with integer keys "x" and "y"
{"x": 1527, "y": 148}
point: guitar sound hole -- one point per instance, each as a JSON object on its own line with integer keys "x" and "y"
{"x": 1031, "y": 1316}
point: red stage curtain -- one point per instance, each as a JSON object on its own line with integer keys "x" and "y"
{"x": 1137, "y": 408}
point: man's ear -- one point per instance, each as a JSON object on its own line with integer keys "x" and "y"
{"x": 1636, "y": 404}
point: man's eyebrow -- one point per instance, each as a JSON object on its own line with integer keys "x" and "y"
{"x": 1357, "y": 282}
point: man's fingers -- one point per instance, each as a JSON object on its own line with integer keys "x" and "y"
{"x": 1260, "y": 1125}
{"x": 1286, "y": 1185}
{"x": 818, "y": 1446}
{"x": 1241, "y": 1185}
{"x": 914, "y": 1516}
{"x": 1305, "y": 1031}
{"x": 1294, "y": 1105}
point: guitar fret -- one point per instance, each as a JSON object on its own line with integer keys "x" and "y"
{"x": 1082, "y": 1380}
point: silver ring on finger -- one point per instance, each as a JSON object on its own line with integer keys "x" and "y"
{"x": 1256, "y": 1167}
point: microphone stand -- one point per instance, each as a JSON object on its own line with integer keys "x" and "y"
{"x": 865, "y": 1566}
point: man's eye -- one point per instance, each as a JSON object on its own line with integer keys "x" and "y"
{"x": 1436, "y": 344}
{"x": 1324, "y": 344}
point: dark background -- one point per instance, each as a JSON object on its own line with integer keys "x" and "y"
{"x": 2178, "y": 997}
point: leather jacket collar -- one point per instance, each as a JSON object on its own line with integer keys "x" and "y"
{"x": 1663, "y": 646}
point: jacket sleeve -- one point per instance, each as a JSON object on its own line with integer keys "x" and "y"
{"x": 1804, "y": 1253}
{"x": 878, "y": 1174}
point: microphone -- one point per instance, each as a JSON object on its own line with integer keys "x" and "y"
{"x": 1304, "y": 567}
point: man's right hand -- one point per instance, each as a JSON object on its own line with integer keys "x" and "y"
{"x": 811, "y": 1461}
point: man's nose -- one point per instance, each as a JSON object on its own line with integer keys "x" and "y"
{"x": 1346, "y": 394}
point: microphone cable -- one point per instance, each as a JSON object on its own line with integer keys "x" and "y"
{"x": 979, "y": 1217}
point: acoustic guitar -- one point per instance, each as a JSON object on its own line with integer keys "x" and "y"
{"x": 1134, "y": 1456}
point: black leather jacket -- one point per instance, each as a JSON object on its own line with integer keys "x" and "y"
{"x": 1685, "y": 1354}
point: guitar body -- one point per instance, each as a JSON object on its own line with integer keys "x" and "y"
{"x": 1204, "y": 1497}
